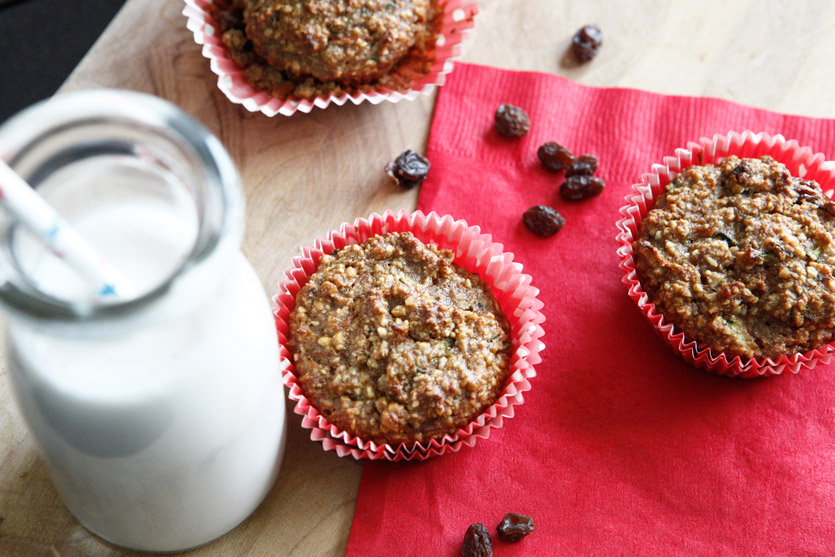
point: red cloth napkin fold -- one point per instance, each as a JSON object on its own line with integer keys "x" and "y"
{"x": 620, "y": 447}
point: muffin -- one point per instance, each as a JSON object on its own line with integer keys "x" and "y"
{"x": 348, "y": 41}
{"x": 739, "y": 256}
{"x": 395, "y": 343}
{"x": 312, "y": 48}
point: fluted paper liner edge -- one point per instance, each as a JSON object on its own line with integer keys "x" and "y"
{"x": 456, "y": 22}
{"x": 474, "y": 251}
{"x": 801, "y": 162}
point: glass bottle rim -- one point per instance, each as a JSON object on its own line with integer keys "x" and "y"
{"x": 219, "y": 178}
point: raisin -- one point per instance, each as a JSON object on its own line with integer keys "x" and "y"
{"x": 514, "y": 527}
{"x": 581, "y": 186}
{"x": 586, "y": 42}
{"x": 233, "y": 19}
{"x": 227, "y": 16}
{"x": 584, "y": 164}
{"x": 554, "y": 156}
{"x": 742, "y": 173}
{"x": 409, "y": 169}
{"x": 477, "y": 542}
{"x": 543, "y": 220}
{"x": 804, "y": 188}
{"x": 742, "y": 168}
{"x": 827, "y": 207}
{"x": 512, "y": 121}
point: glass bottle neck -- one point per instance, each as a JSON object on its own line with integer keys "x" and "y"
{"x": 144, "y": 182}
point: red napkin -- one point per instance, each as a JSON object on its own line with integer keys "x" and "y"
{"x": 620, "y": 447}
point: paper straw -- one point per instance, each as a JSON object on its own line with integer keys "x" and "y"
{"x": 60, "y": 237}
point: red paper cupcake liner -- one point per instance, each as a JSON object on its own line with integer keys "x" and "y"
{"x": 800, "y": 161}
{"x": 475, "y": 252}
{"x": 456, "y": 21}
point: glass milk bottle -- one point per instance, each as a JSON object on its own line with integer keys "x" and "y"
{"x": 160, "y": 416}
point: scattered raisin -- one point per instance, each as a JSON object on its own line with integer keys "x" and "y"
{"x": 477, "y": 542}
{"x": 554, "y": 156}
{"x": 584, "y": 164}
{"x": 586, "y": 42}
{"x": 512, "y": 121}
{"x": 581, "y": 186}
{"x": 515, "y": 526}
{"x": 543, "y": 220}
{"x": 409, "y": 169}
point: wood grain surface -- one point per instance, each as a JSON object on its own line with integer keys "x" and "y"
{"x": 306, "y": 174}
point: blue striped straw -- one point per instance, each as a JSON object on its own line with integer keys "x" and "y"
{"x": 22, "y": 202}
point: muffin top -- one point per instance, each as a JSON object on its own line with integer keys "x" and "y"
{"x": 740, "y": 257}
{"x": 348, "y": 41}
{"x": 395, "y": 343}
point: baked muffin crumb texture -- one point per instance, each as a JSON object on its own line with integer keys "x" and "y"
{"x": 395, "y": 343}
{"x": 309, "y": 48}
{"x": 740, "y": 257}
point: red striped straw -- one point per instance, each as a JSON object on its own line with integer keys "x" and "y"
{"x": 22, "y": 202}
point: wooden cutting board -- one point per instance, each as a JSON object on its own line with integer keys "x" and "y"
{"x": 306, "y": 174}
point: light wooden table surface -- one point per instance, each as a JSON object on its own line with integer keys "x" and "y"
{"x": 308, "y": 173}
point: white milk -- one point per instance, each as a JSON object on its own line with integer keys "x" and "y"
{"x": 163, "y": 429}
